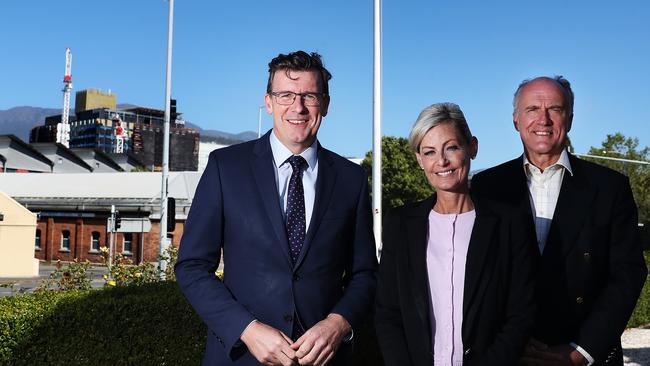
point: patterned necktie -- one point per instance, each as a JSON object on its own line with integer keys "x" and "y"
{"x": 296, "y": 207}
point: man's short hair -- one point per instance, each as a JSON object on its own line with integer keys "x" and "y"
{"x": 563, "y": 83}
{"x": 299, "y": 61}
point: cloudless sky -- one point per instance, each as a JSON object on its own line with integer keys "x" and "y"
{"x": 473, "y": 53}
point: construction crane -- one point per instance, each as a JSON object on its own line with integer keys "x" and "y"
{"x": 121, "y": 133}
{"x": 63, "y": 128}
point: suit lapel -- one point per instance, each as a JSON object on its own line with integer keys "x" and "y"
{"x": 417, "y": 225}
{"x": 518, "y": 194}
{"x": 570, "y": 211}
{"x": 262, "y": 167}
{"x": 325, "y": 183}
{"x": 479, "y": 250}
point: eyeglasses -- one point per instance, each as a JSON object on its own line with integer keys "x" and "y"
{"x": 287, "y": 98}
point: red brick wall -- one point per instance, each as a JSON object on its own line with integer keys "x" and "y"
{"x": 152, "y": 241}
{"x": 81, "y": 230}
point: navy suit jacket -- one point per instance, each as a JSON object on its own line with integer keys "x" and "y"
{"x": 592, "y": 269}
{"x": 236, "y": 213}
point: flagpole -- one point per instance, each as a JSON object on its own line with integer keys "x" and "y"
{"x": 165, "y": 155}
{"x": 376, "y": 128}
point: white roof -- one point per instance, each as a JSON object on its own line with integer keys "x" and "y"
{"x": 141, "y": 185}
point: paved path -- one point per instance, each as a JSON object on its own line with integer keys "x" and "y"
{"x": 636, "y": 346}
{"x": 21, "y": 285}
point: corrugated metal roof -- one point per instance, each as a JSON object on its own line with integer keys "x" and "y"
{"x": 141, "y": 185}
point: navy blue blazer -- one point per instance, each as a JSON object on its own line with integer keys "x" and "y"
{"x": 236, "y": 212}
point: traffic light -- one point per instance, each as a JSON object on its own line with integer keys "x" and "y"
{"x": 118, "y": 220}
{"x": 172, "y": 109}
{"x": 171, "y": 214}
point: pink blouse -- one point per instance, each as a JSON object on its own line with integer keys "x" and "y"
{"x": 447, "y": 245}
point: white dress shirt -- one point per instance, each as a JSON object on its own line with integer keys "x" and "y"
{"x": 544, "y": 190}
{"x": 283, "y": 171}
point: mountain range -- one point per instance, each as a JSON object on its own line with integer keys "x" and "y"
{"x": 20, "y": 120}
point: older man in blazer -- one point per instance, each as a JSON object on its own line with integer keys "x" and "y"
{"x": 293, "y": 223}
{"x": 590, "y": 264}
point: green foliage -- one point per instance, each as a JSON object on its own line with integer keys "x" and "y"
{"x": 402, "y": 178}
{"x": 150, "y": 324}
{"x": 140, "y": 168}
{"x": 170, "y": 255}
{"x": 641, "y": 313}
{"x": 619, "y": 146}
{"x": 71, "y": 276}
{"x": 124, "y": 273}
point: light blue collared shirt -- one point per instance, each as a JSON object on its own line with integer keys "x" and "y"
{"x": 283, "y": 172}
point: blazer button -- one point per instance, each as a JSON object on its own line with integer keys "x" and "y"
{"x": 587, "y": 256}
{"x": 288, "y": 318}
{"x": 579, "y": 300}
{"x": 296, "y": 277}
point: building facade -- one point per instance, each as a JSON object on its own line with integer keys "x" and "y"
{"x": 74, "y": 210}
{"x": 95, "y": 123}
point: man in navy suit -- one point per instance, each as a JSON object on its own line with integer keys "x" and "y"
{"x": 293, "y": 222}
{"x": 583, "y": 218}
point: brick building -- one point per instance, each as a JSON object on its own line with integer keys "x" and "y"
{"x": 74, "y": 209}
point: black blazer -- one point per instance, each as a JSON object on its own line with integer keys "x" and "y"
{"x": 498, "y": 299}
{"x": 592, "y": 269}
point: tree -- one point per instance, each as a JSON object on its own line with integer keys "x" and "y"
{"x": 619, "y": 146}
{"x": 402, "y": 179}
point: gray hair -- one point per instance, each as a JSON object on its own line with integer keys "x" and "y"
{"x": 435, "y": 115}
{"x": 561, "y": 82}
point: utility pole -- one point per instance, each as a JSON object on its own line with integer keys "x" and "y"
{"x": 165, "y": 157}
{"x": 111, "y": 234}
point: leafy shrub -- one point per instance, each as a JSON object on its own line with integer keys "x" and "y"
{"x": 151, "y": 324}
{"x": 124, "y": 273}
{"x": 170, "y": 255}
{"x": 71, "y": 276}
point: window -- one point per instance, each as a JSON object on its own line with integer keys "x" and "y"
{"x": 65, "y": 240}
{"x": 95, "y": 242}
{"x": 37, "y": 240}
{"x": 127, "y": 246}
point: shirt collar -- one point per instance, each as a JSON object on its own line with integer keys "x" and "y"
{"x": 563, "y": 162}
{"x": 281, "y": 153}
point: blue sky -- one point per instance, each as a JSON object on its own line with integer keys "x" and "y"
{"x": 473, "y": 53}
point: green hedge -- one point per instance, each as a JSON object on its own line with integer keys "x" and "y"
{"x": 151, "y": 324}
{"x": 641, "y": 314}
{"x": 138, "y": 325}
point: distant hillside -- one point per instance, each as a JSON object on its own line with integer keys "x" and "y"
{"x": 19, "y": 120}
{"x": 223, "y": 137}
